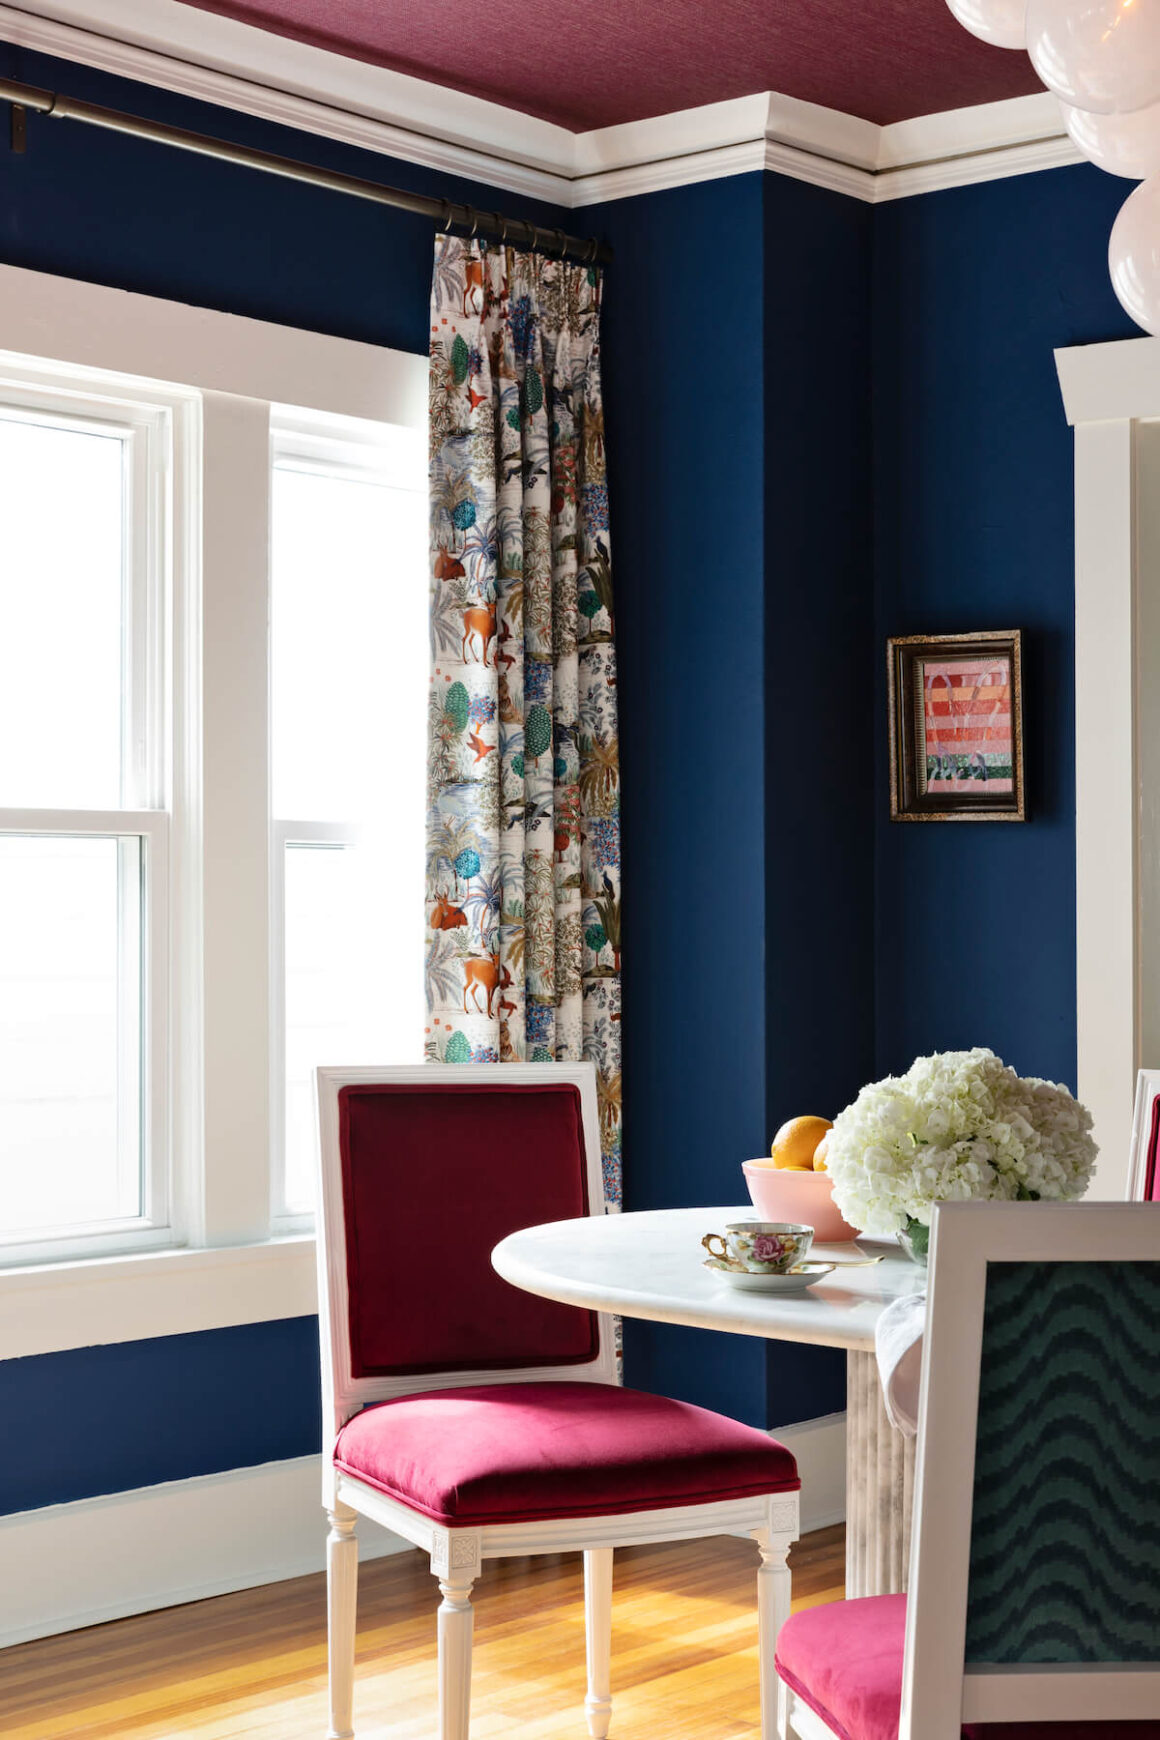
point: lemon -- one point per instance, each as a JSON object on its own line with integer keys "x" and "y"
{"x": 820, "y": 1153}
{"x": 793, "y": 1148}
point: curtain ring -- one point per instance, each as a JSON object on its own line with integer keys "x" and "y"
{"x": 448, "y": 213}
{"x": 474, "y": 222}
{"x": 591, "y": 251}
{"x": 562, "y": 243}
{"x": 500, "y": 223}
{"x": 535, "y": 236}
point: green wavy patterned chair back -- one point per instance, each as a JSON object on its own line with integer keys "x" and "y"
{"x": 1065, "y": 1531}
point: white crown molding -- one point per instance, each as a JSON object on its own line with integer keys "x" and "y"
{"x": 237, "y": 66}
{"x": 960, "y": 146}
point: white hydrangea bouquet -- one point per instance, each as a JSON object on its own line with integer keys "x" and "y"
{"x": 958, "y": 1125}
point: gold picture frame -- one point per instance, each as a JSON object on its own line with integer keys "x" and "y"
{"x": 956, "y": 727}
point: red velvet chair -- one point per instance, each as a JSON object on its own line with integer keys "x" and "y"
{"x": 476, "y": 1420}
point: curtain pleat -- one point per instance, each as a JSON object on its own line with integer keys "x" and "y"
{"x": 523, "y": 860}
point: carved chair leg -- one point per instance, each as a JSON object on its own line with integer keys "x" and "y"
{"x": 598, "y": 1631}
{"x": 455, "y": 1628}
{"x": 341, "y": 1607}
{"x": 773, "y": 1600}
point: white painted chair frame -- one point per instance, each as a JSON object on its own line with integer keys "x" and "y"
{"x": 1147, "y": 1089}
{"x": 939, "y": 1691}
{"x": 457, "y": 1554}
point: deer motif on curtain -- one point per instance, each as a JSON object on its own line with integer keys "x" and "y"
{"x": 523, "y": 846}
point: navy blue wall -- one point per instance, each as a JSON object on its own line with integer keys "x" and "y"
{"x": 683, "y": 343}
{"x": 106, "y": 1419}
{"x": 819, "y": 797}
{"x": 973, "y": 290}
{"x": 736, "y": 338}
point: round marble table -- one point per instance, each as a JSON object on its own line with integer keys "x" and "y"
{"x": 651, "y": 1265}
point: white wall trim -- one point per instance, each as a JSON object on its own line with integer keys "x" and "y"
{"x": 819, "y": 1447}
{"x": 55, "y": 1306}
{"x": 1111, "y": 395}
{"x": 257, "y": 72}
{"x": 70, "y": 1565}
{"x": 146, "y": 339}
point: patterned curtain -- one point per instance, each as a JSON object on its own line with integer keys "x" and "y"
{"x": 523, "y": 858}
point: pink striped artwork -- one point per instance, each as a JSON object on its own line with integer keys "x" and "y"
{"x": 966, "y": 736}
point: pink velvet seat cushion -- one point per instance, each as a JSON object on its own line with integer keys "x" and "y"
{"x": 844, "y": 1660}
{"x": 499, "y": 1453}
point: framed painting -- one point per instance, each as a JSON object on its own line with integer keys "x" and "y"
{"x": 956, "y": 727}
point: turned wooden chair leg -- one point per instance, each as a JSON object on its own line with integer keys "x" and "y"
{"x": 456, "y": 1622}
{"x": 598, "y": 1632}
{"x": 341, "y": 1606}
{"x": 773, "y": 1601}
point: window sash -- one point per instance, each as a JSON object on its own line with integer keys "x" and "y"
{"x": 151, "y": 1228}
{"x": 148, "y": 421}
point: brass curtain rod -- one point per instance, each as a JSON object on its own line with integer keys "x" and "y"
{"x": 448, "y": 212}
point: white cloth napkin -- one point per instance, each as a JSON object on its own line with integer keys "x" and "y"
{"x": 898, "y": 1345}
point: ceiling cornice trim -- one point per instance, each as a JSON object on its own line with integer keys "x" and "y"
{"x": 236, "y": 66}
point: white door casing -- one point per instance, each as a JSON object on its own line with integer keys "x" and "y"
{"x": 1111, "y": 395}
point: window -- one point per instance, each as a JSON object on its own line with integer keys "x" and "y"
{"x": 348, "y": 706}
{"x": 213, "y": 685}
{"x": 84, "y": 827}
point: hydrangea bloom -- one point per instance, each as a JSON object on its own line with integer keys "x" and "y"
{"x": 956, "y": 1126}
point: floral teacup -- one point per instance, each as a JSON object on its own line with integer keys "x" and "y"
{"x": 764, "y": 1247}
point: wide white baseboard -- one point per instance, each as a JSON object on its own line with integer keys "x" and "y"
{"x": 820, "y": 1449}
{"x": 71, "y": 1565}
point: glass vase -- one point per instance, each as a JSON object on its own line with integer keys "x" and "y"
{"x": 914, "y": 1239}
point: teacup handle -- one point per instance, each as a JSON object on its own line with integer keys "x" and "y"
{"x": 722, "y": 1255}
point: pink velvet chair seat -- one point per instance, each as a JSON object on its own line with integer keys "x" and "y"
{"x": 503, "y": 1453}
{"x": 844, "y": 1660}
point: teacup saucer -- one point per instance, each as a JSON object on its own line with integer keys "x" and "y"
{"x": 747, "y": 1281}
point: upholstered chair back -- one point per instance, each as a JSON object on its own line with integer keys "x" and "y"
{"x": 1065, "y": 1519}
{"x": 423, "y": 1171}
{"x": 1035, "y": 1570}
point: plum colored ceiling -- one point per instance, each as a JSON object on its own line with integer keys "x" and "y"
{"x": 592, "y": 63}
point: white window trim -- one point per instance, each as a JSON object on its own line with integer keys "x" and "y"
{"x": 229, "y": 371}
{"x": 1111, "y": 395}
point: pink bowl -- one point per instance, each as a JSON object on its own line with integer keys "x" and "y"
{"x": 804, "y": 1197}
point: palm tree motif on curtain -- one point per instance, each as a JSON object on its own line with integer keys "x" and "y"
{"x": 523, "y": 842}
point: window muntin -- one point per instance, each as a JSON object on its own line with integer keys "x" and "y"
{"x": 348, "y": 709}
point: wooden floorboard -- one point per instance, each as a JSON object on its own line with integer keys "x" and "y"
{"x": 253, "y": 1664}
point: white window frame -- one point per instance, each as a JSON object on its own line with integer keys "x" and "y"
{"x": 358, "y": 452}
{"x": 221, "y": 379}
{"x": 146, "y": 424}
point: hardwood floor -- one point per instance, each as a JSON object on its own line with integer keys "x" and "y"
{"x": 253, "y": 1664}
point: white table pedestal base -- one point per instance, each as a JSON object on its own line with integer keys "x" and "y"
{"x": 879, "y": 1486}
